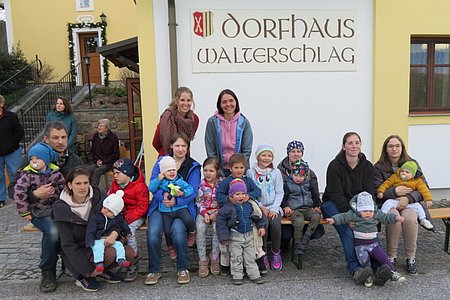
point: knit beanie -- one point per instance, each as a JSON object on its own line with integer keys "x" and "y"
{"x": 300, "y": 167}
{"x": 114, "y": 202}
{"x": 167, "y": 163}
{"x": 44, "y": 152}
{"x": 295, "y": 145}
{"x": 126, "y": 166}
{"x": 237, "y": 185}
{"x": 364, "y": 201}
{"x": 262, "y": 148}
{"x": 411, "y": 166}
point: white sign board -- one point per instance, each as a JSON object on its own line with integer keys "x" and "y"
{"x": 273, "y": 40}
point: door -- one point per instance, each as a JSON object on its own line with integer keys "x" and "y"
{"x": 134, "y": 116}
{"x": 89, "y": 42}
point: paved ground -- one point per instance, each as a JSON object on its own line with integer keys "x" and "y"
{"x": 323, "y": 277}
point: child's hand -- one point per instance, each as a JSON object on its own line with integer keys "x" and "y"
{"x": 330, "y": 221}
{"x": 206, "y": 218}
{"x": 317, "y": 209}
{"x": 287, "y": 211}
{"x": 380, "y": 195}
{"x": 265, "y": 211}
{"x": 180, "y": 193}
{"x": 400, "y": 219}
{"x": 272, "y": 215}
{"x": 28, "y": 218}
{"x": 160, "y": 176}
{"x": 429, "y": 203}
{"x": 213, "y": 217}
{"x": 261, "y": 231}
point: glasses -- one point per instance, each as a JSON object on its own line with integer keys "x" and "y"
{"x": 394, "y": 146}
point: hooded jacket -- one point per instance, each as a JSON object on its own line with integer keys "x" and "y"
{"x": 100, "y": 225}
{"x": 297, "y": 195}
{"x": 343, "y": 182}
{"x": 135, "y": 198}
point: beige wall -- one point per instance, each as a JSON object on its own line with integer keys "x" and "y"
{"x": 41, "y": 27}
{"x": 394, "y": 23}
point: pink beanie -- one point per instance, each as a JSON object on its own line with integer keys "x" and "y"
{"x": 167, "y": 163}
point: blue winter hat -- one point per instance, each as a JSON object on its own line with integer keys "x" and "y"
{"x": 125, "y": 166}
{"x": 44, "y": 152}
{"x": 295, "y": 145}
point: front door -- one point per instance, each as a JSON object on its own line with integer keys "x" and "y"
{"x": 134, "y": 116}
{"x": 89, "y": 42}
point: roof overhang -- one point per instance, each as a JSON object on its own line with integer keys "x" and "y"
{"x": 122, "y": 54}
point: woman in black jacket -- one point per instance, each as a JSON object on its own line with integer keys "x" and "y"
{"x": 71, "y": 213}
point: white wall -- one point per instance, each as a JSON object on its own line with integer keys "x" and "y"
{"x": 314, "y": 107}
{"x": 426, "y": 147}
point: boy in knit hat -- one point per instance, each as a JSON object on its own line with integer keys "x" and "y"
{"x": 301, "y": 202}
{"x": 409, "y": 176}
{"x": 364, "y": 214}
{"x": 173, "y": 185}
{"x": 234, "y": 227}
{"x": 39, "y": 172}
{"x": 105, "y": 221}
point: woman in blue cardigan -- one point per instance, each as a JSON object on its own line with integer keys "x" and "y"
{"x": 62, "y": 111}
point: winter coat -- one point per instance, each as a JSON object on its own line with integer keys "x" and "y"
{"x": 343, "y": 182}
{"x": 297, "y": 195}
{"x": 11, "y": 133}
{"x": 414, "y": 183}
{"x": 190, "y": 171}
{"x": 135, "y": 198}
{"x": 156, "y": 184}
{"x": 106, "y": 149}
{"x": 239, "y": 218}
{"x": 253, "y": 190}
{"x": 363, "y": 228}
{"x": 69, "y": 121}
{"x": 271, "y": 186}
{"x": 28, "y": 181}
{"x": 100, "y": 226}
{"x": 206, "y": 198}
{"x": 213, "y": 138}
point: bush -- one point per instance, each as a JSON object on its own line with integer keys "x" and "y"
{"x": 112, "y": 91}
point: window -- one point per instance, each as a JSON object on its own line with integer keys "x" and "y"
{"x": 429, "y": 90}
{"x": 84, "y": 5}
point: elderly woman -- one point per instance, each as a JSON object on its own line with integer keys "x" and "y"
{"x": 62, "y": 111}
{"x": 104, "y": 150}
{"x": 393, "y": 155}
{"x": 71, "y": 213}
{"x": 189, "y": 169}
{"x": 178, "y": 117}
{"x": 228, "y": 131}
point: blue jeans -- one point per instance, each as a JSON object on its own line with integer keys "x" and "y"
{"x": 12, "y": 162}
{"x": 50, "y": 242}
{"x": 329, "y": 209}
{"x": 178, "y": 234}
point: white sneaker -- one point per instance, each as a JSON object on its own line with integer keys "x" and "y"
{"x": 397, "y": 277}
{"x": 368, "y": 282}
{"x": 426, "y": 224}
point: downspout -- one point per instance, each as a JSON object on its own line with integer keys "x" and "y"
{"x": 173, "y": 45}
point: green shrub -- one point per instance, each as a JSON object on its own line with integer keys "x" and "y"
{"x": 112, "y": 91}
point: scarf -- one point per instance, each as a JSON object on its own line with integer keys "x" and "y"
{"x": 80, "y": 209}
{"x": 172, "y": 122}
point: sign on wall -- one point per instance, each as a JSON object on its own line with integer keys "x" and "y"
{"x": 273, "y": 40}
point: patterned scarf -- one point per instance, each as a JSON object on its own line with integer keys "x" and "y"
{"x": 172, "y": 122}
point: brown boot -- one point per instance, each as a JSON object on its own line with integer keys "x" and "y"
{"x": 203, "y": 268}
{"x": 215, "y": 266}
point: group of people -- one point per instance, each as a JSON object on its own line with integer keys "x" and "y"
{"x": 243, "y": 202}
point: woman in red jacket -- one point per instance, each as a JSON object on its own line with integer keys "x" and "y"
{"x": 129, "y": 179}
{"x": 178, "y": 117}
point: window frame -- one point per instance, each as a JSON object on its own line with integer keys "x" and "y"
{"x": 430, "y": 65}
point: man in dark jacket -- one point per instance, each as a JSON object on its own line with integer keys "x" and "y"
{"x": 11, "y": 133}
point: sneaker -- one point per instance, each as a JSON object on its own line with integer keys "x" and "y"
{"x": 215, "y": 266}
{"x": 123, "y": 263}
{"x": 238, "y": 281}
{"x": 203, "y": 270}
{"x": 191, "y": 239}
{"x": 2, "y": 204}
{"x": 263, "y": 264}
{"x": 259, "y": 280}
{"x": 368, "y": 282}
{"x": 88, "y": 284}
{"x": 132, "y": 271}
{"x": 276, "y": 262}
{"x": 362, "y": 274}
{"x": 183, "y": 277}
{"x": 109, "y": 277}
{"x": 48, "y": 281}
{"x": 393, "y": 261}
{"x": 298, "y": 249}
{"x": 224, "y": 270}
{"x": 411, "y": 266}
{"x": 426, "y": 224}
{"x": 152, "y": 278}
{"x": 172, "y": 253}
{"x": 397, "y": 277}
{"x": 304, "y": 243}
{"x": 382, "y": 275}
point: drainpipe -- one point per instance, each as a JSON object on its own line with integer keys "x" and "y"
{"x": 173, "y": 46}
